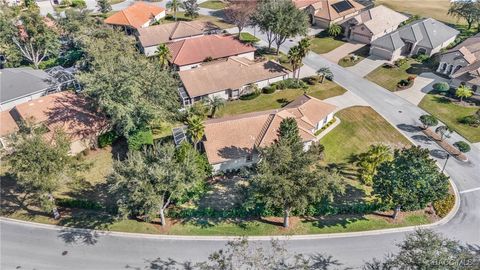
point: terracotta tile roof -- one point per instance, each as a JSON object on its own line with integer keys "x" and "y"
{"x": 64, "y": 110}
{"x": 233, "y": 73}
{"x": 162, "y": 33}
{"x": 301, "y": 4}
{"x": 325, "y": 10}
{"x": 196, "y": 50}
{"x": 135, "y": 15}
{"x": 8, "y": 125}
{"x": 237, "y": 136}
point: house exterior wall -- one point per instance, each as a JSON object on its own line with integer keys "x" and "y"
{"x": 384, "y": 53}
{"x": 149, "y": 51}
{"x": 235, "y": 164}
{"x": 454, "y": 58}
{"x": 14, "y": 102}
{"x": 361, "y": 34}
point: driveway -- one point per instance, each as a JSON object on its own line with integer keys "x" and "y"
{"x": 423, "y": 84}
{"x": 336, "y": 54}
{"x": 348, "y": 99}
{"x": 367, "y": 65}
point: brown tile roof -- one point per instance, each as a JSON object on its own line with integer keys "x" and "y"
{"x": 470, "y": 48}
{"x": 233, "y": 73}
{"x": 237, "y": 136}
{"x": 135, "y": 15}
{"x": 158, "y": 34}
{"x": 325, "y": 10}
{"x": 66, "y": 111}
{"x": 7, "y": 124}
{"x": 196, "y": 50}
{"x": 301, "y": 4}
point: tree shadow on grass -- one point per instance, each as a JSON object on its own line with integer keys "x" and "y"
{"x": 418, "y": 68}
{"x": 335, "y": 220}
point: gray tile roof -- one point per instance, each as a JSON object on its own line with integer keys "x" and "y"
{"x": 428, "y": 33}
{"x": 18, "y": 82}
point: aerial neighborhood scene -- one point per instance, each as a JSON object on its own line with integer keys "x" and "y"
{"x": 239, "y": 134}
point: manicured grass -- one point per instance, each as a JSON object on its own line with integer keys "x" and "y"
{"x": 203, "y": 18}
{"x": 113, "y": 2}
{"x": 360, "y": 127}
{"x": 213, "y": 4}
{"x": 436, "y": 9}
{"x": 279, "y": 98}
{"x": 389, "y": 77}
{"x": 323, "y": 44}
{"x": 248, "y": 38}
{"x": 361, "y": 54}
{"x": 449, "y": 113}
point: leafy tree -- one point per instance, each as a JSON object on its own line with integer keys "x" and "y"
{"x": 286, "y": 179}
{"x": 465, "y": 9}
{"x": 334, "y": 30}
{"x": 289, "y": 22}
{"x": 104, "y": 6}
{"x": 370, "y": 160}
{"x": 216, "y": 103}
{"x": 325, "y": 72}
{"x": 425, "y": 249}
{"x": 195, "y": 129}
{"x": 8, "y": 29}
{"x": 265, "y": 18}
{"x": 410, "y": 181}
{"x": 30, "y": 4}
{"x": 40, "y": 166}
{"x": 174, "y": 6}
{"x": 191, "y": 8}
{"x": 463, "y": 91}
{"x": 428, "y": 121}
{"x": 130, "y": 89}
{"x": 33, "y": 39}
{"x": 163, "y": 54}
{"x": 145, "y": 184}
{"x": 444, "y": 132}
{"x": 239, "y": 12}
{"x": 462, "y": 146}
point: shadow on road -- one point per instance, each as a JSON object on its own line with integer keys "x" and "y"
{"x": 409, "y": 128}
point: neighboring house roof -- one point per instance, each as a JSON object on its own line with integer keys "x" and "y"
{"x": 469, "y": 74}
{"x": 428, "y": 33}
{"x": 333, "y": 9}
{"x": 233, "y": 73}
{"x": 162, "y": 33}
{"x": 379, "y": 19}
{"x": 63, "y": 110}
{"x": 196, "y": 50}
{"x": 8, "y": 125}
{"x": 237, "y": 136}
{"x": 135, "y": 15}
{"x": 469, "y": 48}
{"x": 301, "y": 4}
{"x": 16, "y": 83}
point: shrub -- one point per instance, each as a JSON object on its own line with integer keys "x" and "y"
{"x": 312, "y": 80}
{"x": 462, "y": 146}
{"x": 471, "y": 120}
{"x": 107, "y": 139}
{"x": 443, "y": 207}
{"x": 250, "y": 96}
{"x": 400, "y": 62}
{"x": 268, "y": 90}
{"x": 139, "y": 138}
{"x": 291, "y": 84}
{"x": 51, "y": 62}
{"x": 78, "y": 203}
{"x": 422, "y": 58}
{"x": 78, "y": 4}
{"x": 441, "y": 87}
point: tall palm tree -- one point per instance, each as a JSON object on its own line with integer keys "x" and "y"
{"x": 164, "y": 55}
{"x": 174, "y": 5}
{"x": 325, "y": 72}
{"x": 195, "y": 129}
{"x": 294, "y": 58}
{"x": 303, "y": 48}
{"x": 216, "y": 103}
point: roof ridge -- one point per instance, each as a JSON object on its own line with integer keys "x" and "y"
{"x": 174, "y": 29}
{"x": 179, "y": 49}
{"x": 126, "y": 17}
{"x": 264, "y": 129}
{"x": 428, "y": 36}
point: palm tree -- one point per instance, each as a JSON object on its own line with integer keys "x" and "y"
{"x": 195, "y": 129}
{"x": 444, "y": 132}
{"x": 334, "y": 30}
{"x": 164, "y": 55}
{"x": 216, "y": 103}
{"x": 304, "y": 48}
{"x": 325, "y": 72}
{"x": 295, "y": 58}
{"x": 463, "y": 91}
{"x": 174, "y": 5}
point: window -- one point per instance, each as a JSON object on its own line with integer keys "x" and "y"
{"x": 422, "y": 51}
{"x": 249, "y": 158}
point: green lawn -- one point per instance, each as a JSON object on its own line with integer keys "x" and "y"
{"x": 360, "y": 127}
{"x": 449, "y": 113}
{"x": 323, "y": 44}
{"x": 213, "y": 4}
{"x": 361, "y": 54}
{"x": 202, "y": 18}
{"x": 280, "y": 98}
{"x": 248, "y": 38}
{"x": 389, "y": 77}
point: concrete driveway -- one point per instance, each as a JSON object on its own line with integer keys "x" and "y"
{"x": 423, "y": 84}
{"x": 348, "y": 99}
{"x": 367, "y": 65}
{"x": 342, "y": 51}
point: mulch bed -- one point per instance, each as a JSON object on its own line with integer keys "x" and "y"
{"x": 445, "y": 145}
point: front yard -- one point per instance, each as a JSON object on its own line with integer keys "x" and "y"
{"x": 450, "y": 114}
{"x": 355, "y": 57}
{"x": 388, "y": 77}
{"x": 322, "y": 43}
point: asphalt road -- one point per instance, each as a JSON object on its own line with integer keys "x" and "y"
{"x": 30, "y": 247}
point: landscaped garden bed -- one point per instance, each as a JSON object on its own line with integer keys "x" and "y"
{"x": 445, "y": 145}
{"x": 355, "y": 57}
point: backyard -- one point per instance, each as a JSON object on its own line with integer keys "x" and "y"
{"x": 450, "y": 113}
{"x": 202, "y": 18}
{"x": 322, "y": 43}
{"x": 213, "y": 4}
{"x": 389, "y": 76}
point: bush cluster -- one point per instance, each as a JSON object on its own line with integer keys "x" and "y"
{"x": 462, "y": 146}
{"x": 269, "y": 89}
{"x": 325, "y": 127}
{"x": 471, "y": 120}
{"x": 78, "y": 203}
{"x": 139, "y": 138}
{"x": 312, "y": 80}
{"x": 250, "y": 96}
{"x": 441, "y": 87}
{"x": 107, "y": 139}
{"x": 400, "y": 62}
{"x": 443, "y": 207}
{"x": 289, "y": 84}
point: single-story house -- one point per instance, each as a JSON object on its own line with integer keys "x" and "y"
{"x": 136, "y": 16}
{"x": 232, "y": 142}
{"x": 150, "y": 37}
{"x": 373, "y": 23}
{"x": 462, "y": 63}
{"x": 426, "y": 36}
{"x": 228, "y": 79}
{"x": 66, "y": 111}
{"x": 191, "y": 53}
{"x": 324, "y": 13}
